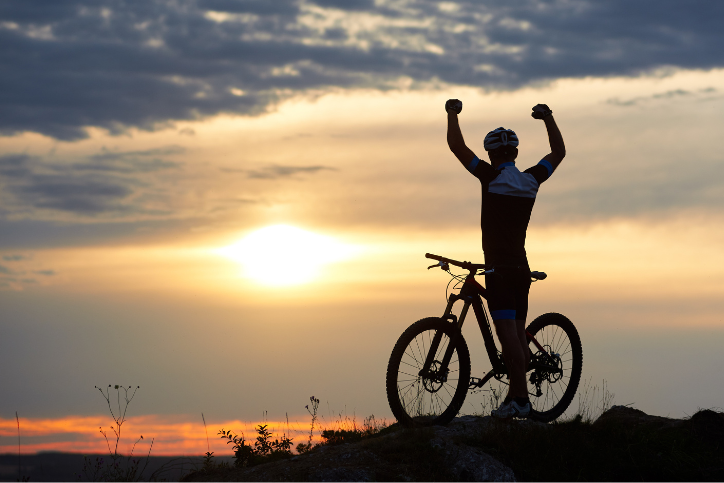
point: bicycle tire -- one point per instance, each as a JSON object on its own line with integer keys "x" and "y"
{"x": 557, "y": 332}
{"x": 414, "y": 400}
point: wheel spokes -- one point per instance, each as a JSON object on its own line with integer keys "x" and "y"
{"x": 555, "y": 340}
{"x": 420, "y": 396}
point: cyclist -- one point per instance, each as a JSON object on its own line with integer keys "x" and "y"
{"x": 508, "y": 198}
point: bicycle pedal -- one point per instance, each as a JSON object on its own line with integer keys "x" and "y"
{"x": 476, "y": 382}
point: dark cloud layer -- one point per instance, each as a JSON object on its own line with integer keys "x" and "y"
{"x": 103, "y": 184}
{"x": 39, "y": 234}
{"x": 69, "y": 64}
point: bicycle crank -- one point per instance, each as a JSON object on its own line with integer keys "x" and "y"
{"x": 476, "y": 383}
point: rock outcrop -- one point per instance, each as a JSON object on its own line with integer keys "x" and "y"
{"x": 407, "y": 455}
{"x": 623, "y": 444}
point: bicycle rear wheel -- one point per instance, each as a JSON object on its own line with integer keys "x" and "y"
{"x": 555, "y": 381}
{"x": 436, "y": 397}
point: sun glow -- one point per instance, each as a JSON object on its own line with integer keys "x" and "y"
{"x": 285, "y": 255}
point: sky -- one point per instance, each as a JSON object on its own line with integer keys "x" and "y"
{"x": 143, "y": 143}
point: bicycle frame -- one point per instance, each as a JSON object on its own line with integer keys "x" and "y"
{"x": 472, "y": 293}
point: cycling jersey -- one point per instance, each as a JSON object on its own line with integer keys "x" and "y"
{"x": 508, "y": 198}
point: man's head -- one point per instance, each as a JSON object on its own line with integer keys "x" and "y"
{"x": 501, "y": 145}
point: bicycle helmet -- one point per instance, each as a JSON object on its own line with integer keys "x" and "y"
{"x": 500, "y": 137}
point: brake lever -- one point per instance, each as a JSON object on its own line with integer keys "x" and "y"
{"x": 443, "y": 265}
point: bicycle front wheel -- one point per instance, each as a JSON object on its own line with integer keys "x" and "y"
{"x": 419, "y": 398}
{"x": 557, "y": 368}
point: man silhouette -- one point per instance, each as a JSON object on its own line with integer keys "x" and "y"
{"x": 508, "y": 198}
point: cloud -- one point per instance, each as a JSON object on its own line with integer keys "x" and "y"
{"x": 35, "y": 184}
{"x": 47, "y": 273}
{"x": 676, "y": 93}
{"x": 14, "y": 258}
{"x": 84, "y": 196}
{"x": 242, "y": 201}
{"x": 44, "y": 233}
{"x": 132, "y": 161}
{"x": 15, "y": 165}
{"x": 100, "y": 185}
{"x": 278, "y": 171}
{"x": 10, "y": 277}
{"x": 643, "y": 193}
{"x": 115, "y": 65}
{"x": 107, "y": 155}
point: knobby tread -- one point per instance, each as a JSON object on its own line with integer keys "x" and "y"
{"x": 564, "y": 323}
{"x": 463, "y": 354}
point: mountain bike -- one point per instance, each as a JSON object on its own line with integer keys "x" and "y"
{"x": 428, "y": 375}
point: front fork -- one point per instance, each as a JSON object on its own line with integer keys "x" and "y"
{"x": 440, "y": 374}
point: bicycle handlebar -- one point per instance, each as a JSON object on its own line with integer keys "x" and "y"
{"x": 465, "y": 265}
{"x": 475, "y": 266}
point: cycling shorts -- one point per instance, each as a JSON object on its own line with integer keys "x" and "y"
{"x": 507, "y": 293}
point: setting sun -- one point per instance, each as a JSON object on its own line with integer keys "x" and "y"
{"x": 285, "y": 255}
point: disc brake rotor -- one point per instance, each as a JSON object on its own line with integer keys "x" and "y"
{"x": 556, "y": 375}
{"x": 433, "y": 384}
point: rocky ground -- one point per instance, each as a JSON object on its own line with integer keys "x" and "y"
{"x": 623, "y": 444}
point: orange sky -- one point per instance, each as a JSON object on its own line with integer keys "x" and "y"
{"x": 171, "y": 435}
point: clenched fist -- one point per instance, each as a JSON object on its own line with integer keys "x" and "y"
{"x": 454, "y": 106}
{"x": 540, "y": 111}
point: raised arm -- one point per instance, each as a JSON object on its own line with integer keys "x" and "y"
{"x": 555, "y": 139}
{"x": 454, "y": 136}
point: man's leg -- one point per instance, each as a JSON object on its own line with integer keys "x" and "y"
{"x": 522, "y": 288}
{"x": 507, "y": 298}
{"x": 515, "y": 357}
{"x": 520, "y": 325}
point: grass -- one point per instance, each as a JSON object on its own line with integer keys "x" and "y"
{"x": 209, "y": 456}
{"x": 579, "y": 450}
{"x": 265, "y": 450}
{"x": 625, "y": 445}
{"x": 119, "y": 467}
{"x": 305, "y": 447}
{"x": 21, "y": 477}
{"x": 584, "y": 448}
{"x": 350, "y": 433}
{"x": 593, "y": 401}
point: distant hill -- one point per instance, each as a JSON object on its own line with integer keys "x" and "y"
{"x": 56, "y": 466}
